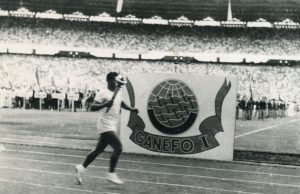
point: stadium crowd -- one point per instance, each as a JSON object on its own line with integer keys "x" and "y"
{"x": 58, "y": 78}
{"x": 149, "y": 38}
{"x": 83, "y": 78}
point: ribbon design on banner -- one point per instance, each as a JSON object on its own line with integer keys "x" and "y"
{"x": 206, "y": 140}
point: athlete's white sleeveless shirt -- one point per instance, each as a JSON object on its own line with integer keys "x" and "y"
{"x": 109, "y": 121}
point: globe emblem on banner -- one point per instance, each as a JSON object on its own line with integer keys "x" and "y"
{"x": 172, "y": 107}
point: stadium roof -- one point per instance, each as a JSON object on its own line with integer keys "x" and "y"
{"x": 245, "y": 10}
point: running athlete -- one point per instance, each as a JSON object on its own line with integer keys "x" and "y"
{"x": 110, "y": 105}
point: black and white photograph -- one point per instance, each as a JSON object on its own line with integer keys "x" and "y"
{"x": 148, "y": 96}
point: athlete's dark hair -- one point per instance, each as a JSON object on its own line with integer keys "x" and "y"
{"x": 111, "y": 76}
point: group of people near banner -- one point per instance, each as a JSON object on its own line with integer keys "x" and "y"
{"x": 57, "y": 99}
{"x": 249, "y": 109}
{"x": 51, "y": 99}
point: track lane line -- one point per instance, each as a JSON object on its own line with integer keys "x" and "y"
{"x": 155, "y": 172}
{"x": 29, "y": 140}
{"x": 49, "y": 186}
{"x": 164, "y": 164}
{"x": 129, "y": 180}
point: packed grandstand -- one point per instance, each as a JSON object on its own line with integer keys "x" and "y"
{"x": 22, "y": 74}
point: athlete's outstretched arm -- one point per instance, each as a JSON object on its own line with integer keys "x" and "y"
{"x": 126, "y": 107}
{"x": 99, "y": 105}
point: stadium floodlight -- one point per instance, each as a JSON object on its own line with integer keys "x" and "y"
{"x": 104, "y": 17}
{"x": 22, "y": 12}
{"x": 129, "y": 19}
{"x": 155, "y": 20}
{"x": 287, "y": 23}
{"x": 178, "y": 59}
{"x": 3, "y": 12}
{"x": 208, "y": 21}
{"x": 49, "y": 14}
{"x": 73, "y": 53}
{"x": 181, "y": 21}
{"x": 260, "y": 23}
{"x": 76, "y": 16}
{"x": 283, "y": 60}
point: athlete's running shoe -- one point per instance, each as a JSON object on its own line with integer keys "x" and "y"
{"x": 79, "y": 171}
{"x": 113, "y": 177}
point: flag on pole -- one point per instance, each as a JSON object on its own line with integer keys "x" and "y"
{"x": 8, "y": 76}
{"x": 10, "y": 84}
{"x": 67, "y": 85}
{"x": 37, "y": 76}
{"x": 279, "y": 98}
{"x": 52, "y": 78}
{"x": 250, "y": 87}
{"x": 52, "y": 82}
{"x": 119, "y": 6}
{"x": 85, "y": 89}
{"x": 251, "y": 94}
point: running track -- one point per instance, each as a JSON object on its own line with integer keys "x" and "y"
{"x": 36, "y": 169}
